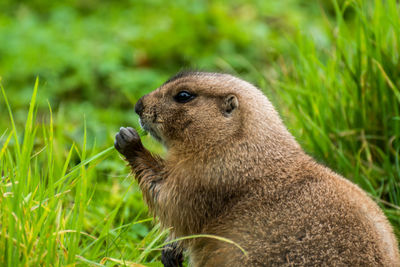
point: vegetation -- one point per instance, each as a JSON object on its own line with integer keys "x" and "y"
{"x": 332, "y": 68}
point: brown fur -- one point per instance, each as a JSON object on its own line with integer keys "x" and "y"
{"x": 243, "y": 176}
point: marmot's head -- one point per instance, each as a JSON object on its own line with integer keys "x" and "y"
{"x": 195, "y": 109}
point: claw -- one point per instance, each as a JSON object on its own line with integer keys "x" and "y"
{"x": 116, "y": 145}
{"x": 126, "y": 135}
{"x": 120, "y": 140}
{"x": 132, "y": 131}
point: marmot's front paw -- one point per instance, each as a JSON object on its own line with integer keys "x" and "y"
{"x": 128, "y": 142}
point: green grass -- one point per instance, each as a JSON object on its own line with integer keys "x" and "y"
{"x": 344, "y": 103}
{"x": 331, "y": 68}
{"x": 48, "y": 214}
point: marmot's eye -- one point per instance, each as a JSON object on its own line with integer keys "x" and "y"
{"x": 184, "y": 96}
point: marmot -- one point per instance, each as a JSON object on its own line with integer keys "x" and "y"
{"x": 233, "y": 170}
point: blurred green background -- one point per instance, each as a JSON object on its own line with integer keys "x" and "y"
{"x": 330, "y": 67}
{"x": 101, "y": 56}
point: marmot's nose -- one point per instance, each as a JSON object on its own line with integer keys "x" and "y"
{"x": 139, "y": 107}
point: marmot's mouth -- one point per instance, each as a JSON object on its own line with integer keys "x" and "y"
{"x": 145, "y": 126}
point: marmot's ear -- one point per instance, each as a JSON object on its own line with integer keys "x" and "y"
{"x": 229, "y": 104}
